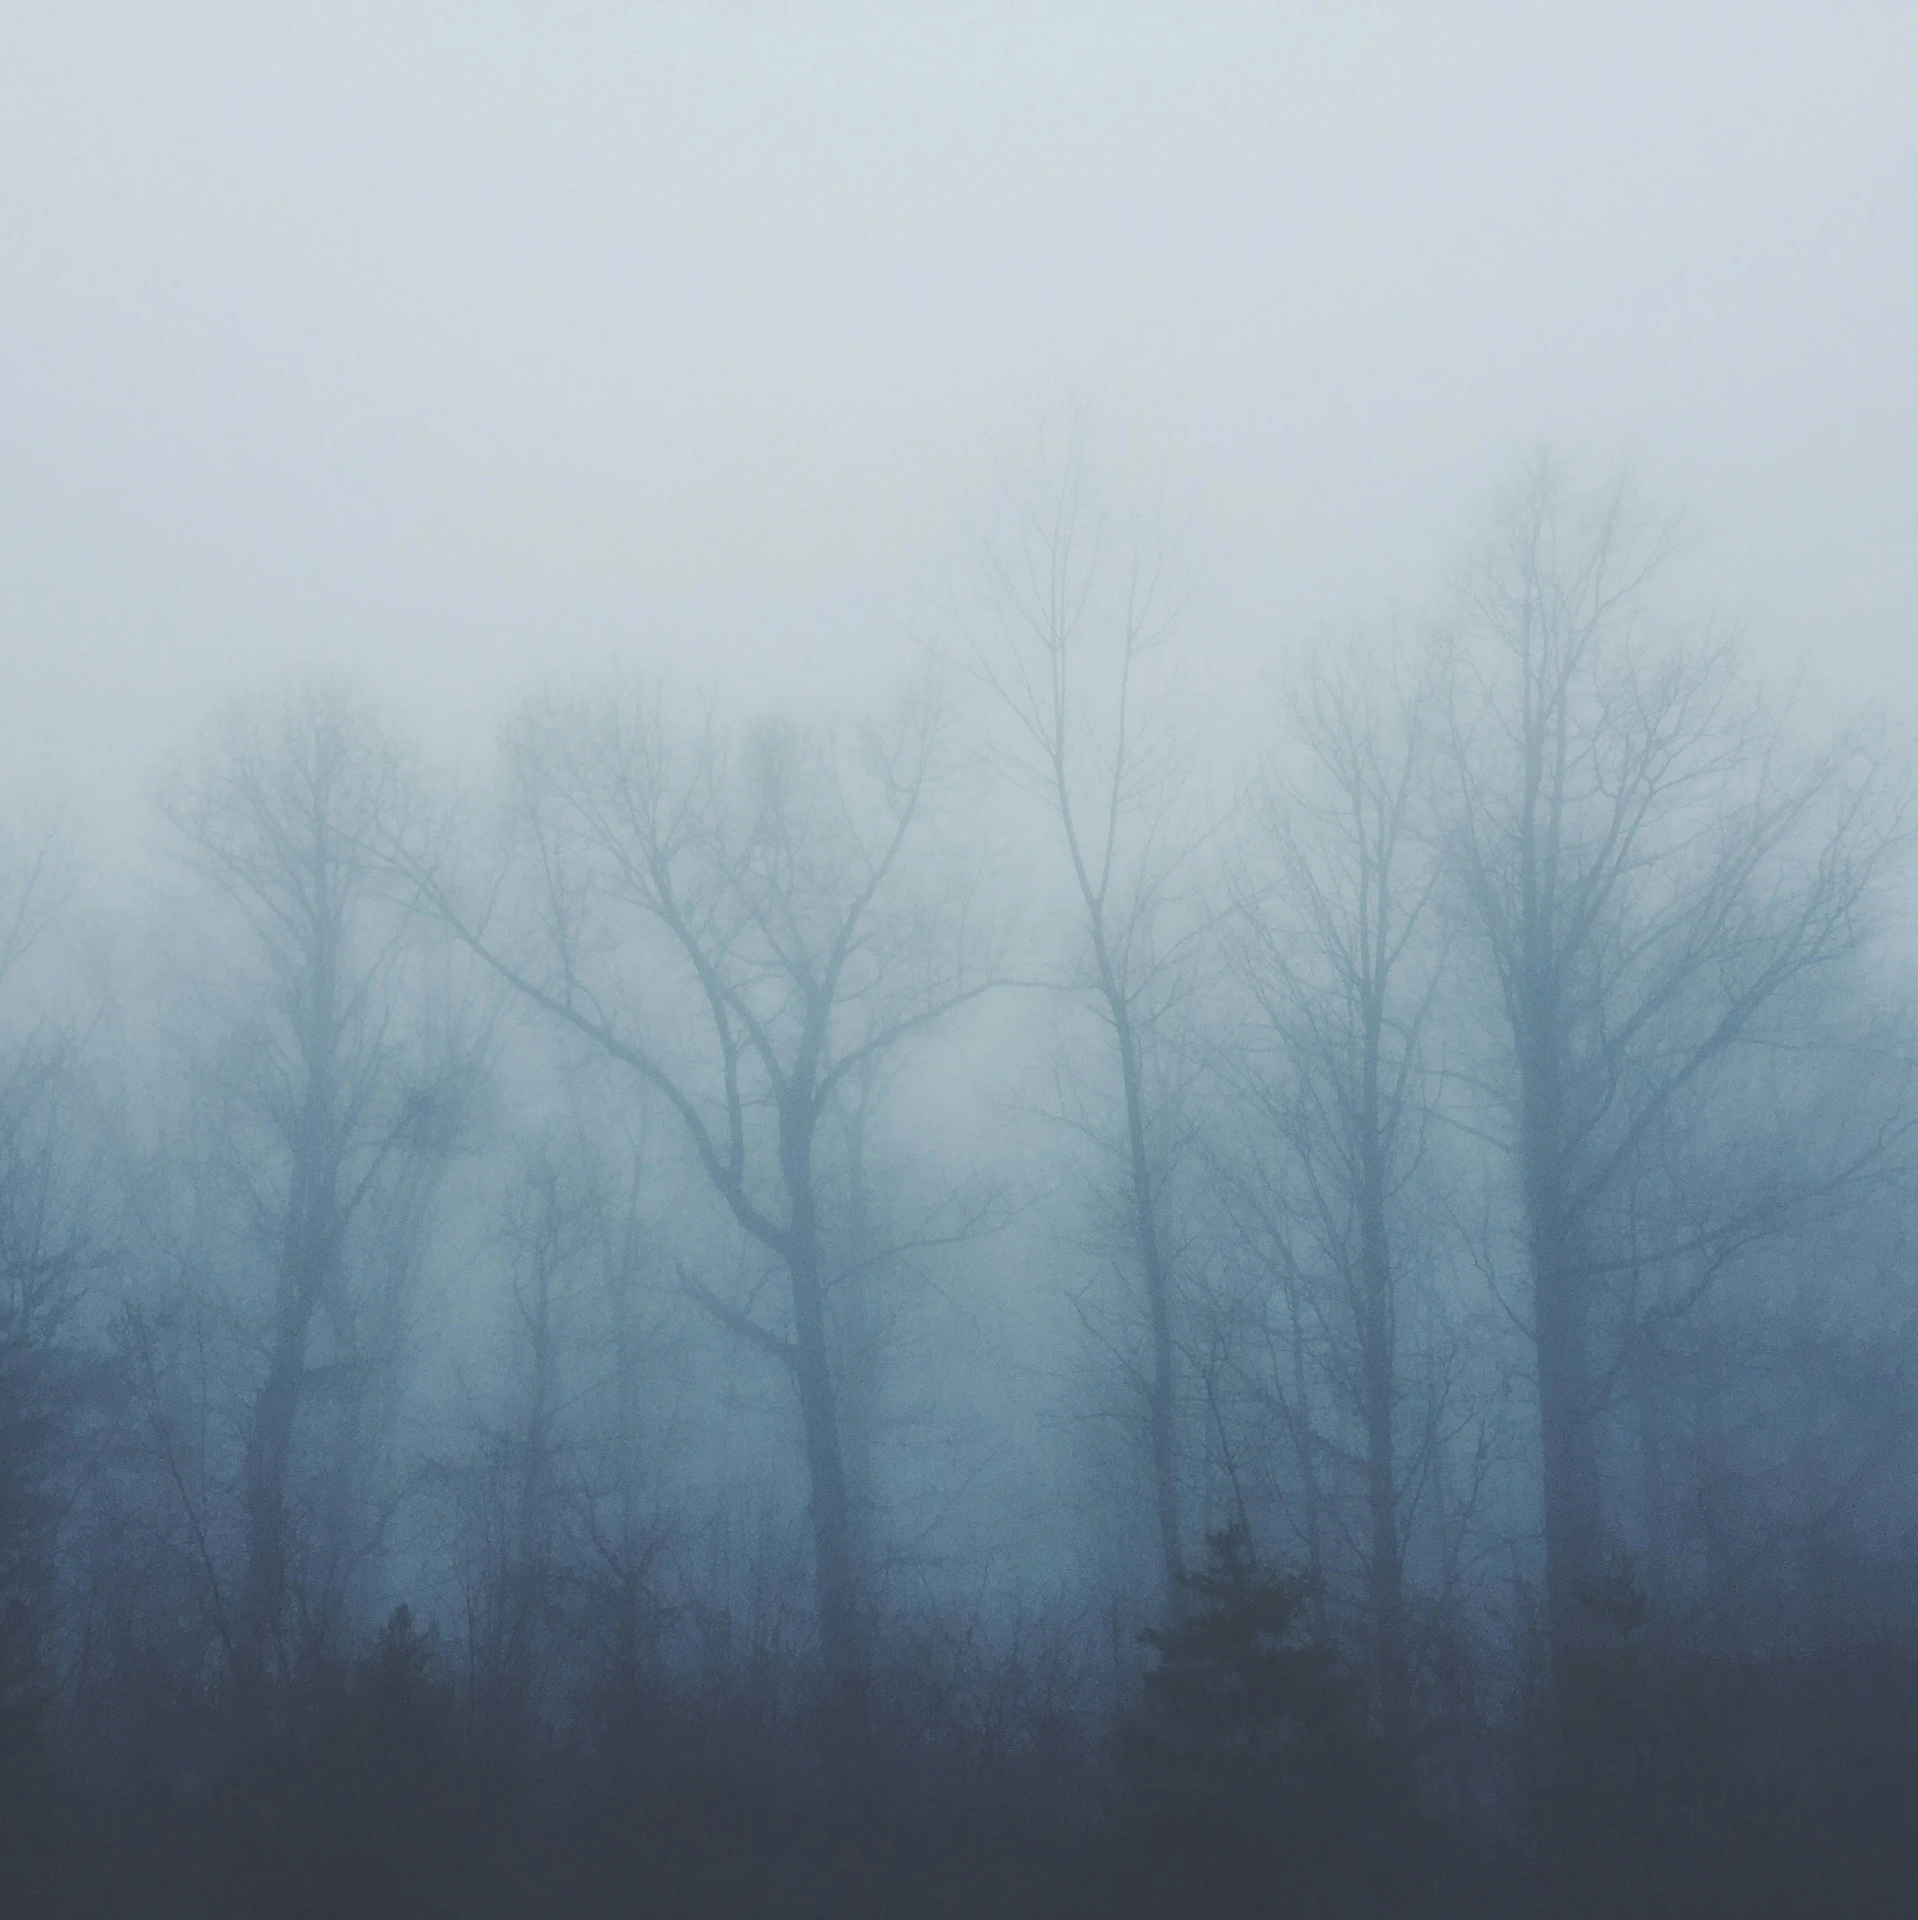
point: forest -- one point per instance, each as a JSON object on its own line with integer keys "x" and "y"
{"x": 1036, "y": 1299}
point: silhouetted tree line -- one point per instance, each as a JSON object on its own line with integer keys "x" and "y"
{"x": 959, "y": 1309}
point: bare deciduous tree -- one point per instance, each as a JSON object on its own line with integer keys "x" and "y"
{"x": 1079, "y": 610}
{"x": 50, "y": 1249}
{"x": 330, "y": 1105}
{"x": 1650, "y": 865}
{"x": 734, "y": 919}
{"x": 1335, "y": 947}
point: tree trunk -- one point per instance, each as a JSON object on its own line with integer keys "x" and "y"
{"x": 1561, "y": 1313}
{"x": 276, "y": 1411}
{"x": 269, "y": 1449}
{"x": 1306, "y": 1441}
{"x": 835, "y": 1580}
{"x": 860, "y": 1383}
{"x": 1572, "y": 1510}
{"x": 1162, "y": 1392}
{"x": 1378, "y": 1385}
{"x": 530, "y": 1568}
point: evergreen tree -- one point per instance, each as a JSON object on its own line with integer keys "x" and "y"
{"x": 1250, "y": 1785}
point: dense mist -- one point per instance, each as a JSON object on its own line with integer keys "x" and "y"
{"x": 911, "y": 1001}
{"x": 1348, "y": 1314}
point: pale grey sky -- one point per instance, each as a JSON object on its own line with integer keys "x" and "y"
{"x": 452, "y": 343}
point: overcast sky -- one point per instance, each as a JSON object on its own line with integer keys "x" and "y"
{"x": 453, "y": 344}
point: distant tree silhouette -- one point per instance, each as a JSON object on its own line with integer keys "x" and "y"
{"x": 1078, "y": 616}
{"x": 335, "y": 1104}
{"x": 1654, "y": 869}
{"x": 734, "y": 919}
{"x": 1332, "y": 942}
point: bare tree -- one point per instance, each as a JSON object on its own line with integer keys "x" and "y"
{"x": 556, "y": 1510}
{"x": 329, "y": 1107}
{"x": 1650, "y": 865}
{"x": 1079, "y": 610}
{"x": 735, "y": 920}
{"x": 52, "y": 1241}
{"x": 542, "y": 1228}
{"x": 36, "y": 882}
{"x": 1334, "y": 944}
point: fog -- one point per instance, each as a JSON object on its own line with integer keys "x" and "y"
{"x": 958, "y": 964}
{"x": 449, "y": 346}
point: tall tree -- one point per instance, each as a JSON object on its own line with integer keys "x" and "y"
{"x": 1334, "y": 944}
{"x": 1079, "y": 615}
{"x": 1650, "y": 865}
{"x": 519, "y": 1483}
{"x": 51, "y": 1241}
{"x": 734, "y": 919}
{"x": 331, "y": 1107}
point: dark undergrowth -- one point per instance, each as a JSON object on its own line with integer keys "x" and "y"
{"x": 1245, "y": 1783}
